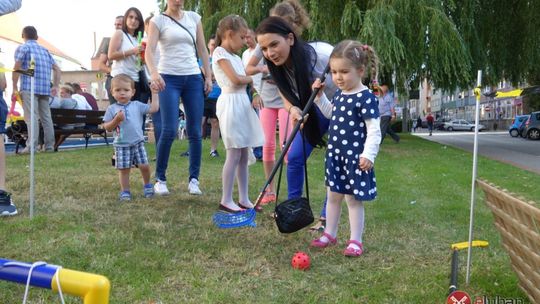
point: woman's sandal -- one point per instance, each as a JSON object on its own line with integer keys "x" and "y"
{"x": 268, "y": 198}
{"x": 320, "y": 244}
{"x": 319, "y": 226}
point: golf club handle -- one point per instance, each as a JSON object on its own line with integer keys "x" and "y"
{"x": 311, "y": 99}
{"x": 295, "y": 130}
{"x": 453, "y": 272}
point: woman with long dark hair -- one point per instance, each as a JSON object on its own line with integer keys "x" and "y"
{"x": 273, "y": 111}
{"x": 294, "y": 66}
{"x": 125, "y": 51}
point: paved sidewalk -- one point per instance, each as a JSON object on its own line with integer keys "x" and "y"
{"x": 497, "y": 145}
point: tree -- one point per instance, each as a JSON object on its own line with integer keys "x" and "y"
{"x": 444, "y": 41}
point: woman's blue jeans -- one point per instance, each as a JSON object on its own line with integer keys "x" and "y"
{"x": 190, "y": 89}
{"x": 295, "y": 156}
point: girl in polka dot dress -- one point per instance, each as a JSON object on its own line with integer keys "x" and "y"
{"x": 353, "y": 142}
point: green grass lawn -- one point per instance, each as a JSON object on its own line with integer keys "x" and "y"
{"x": 166, "y": 249}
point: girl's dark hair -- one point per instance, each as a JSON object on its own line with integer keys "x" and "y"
{"x": 302, "y": 58}
{"x": 229, "y": 23}
{"x": 139, "y": 17}
{"x": 361, "y": 56}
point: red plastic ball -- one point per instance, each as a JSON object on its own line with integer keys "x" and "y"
{"x": 301, "y": 261}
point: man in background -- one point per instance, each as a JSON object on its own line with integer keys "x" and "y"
{"x": 257, "y": 78}
{"x": 388, "y": 114}
{"x": 210, "y": 103}
{"x": 44, "y": 64}
{"x": 430, "y": 120}
{"x": 104, "y": 63}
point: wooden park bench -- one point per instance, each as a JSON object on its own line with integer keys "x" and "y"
{"x": 518, "y": 223}
{"x": 82, "y": 119}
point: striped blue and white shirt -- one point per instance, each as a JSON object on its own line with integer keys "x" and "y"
{"x": 44, "y": 63}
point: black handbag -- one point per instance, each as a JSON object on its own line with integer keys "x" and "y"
{"x": 294, "y": 214}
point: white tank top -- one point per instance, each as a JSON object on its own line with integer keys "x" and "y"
{"x": 126, "y": 65}
{"x": 177, "y": 52}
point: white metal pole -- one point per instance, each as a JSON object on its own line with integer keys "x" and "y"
{"x": 477, "y": 93}
{"x": 33, "y": 124}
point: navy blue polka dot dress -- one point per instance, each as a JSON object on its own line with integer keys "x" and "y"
{"x": 346, "y": 138}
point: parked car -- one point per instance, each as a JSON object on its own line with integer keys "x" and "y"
{"x": 461, "y": 125}
{"x": 515, "y": 129}
{"x": 532, "y": 126}
{"x": 439, "y": 123}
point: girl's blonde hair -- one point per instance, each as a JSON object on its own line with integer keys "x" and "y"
{"x": 294, "y": 13}
{"x": 233, "y": 23}
{"x": 361, "y": 55}
{"x": 122, "y": 78}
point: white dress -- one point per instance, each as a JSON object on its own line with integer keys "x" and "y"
{"x": 238, "y": 122}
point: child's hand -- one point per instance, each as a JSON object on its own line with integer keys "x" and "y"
{"x": 156, "y": 82}
{"x": 153, "y": 89}
{"x": 365, "y": 164}
{"x": 317, "y": 84}
{"x": 257, "y": 102}
{"x": 120, "y": 116}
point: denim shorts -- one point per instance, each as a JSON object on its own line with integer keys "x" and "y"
{"x": 132, "y": 155}
{"x": 3, "y": 114}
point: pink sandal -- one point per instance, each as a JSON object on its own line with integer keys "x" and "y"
{"x": 320, "y": 244}
{"x": 268, "y": 197}
{"x": 351, "y": 252}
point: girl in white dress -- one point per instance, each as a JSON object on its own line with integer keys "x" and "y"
{"x": 239, "y": 125}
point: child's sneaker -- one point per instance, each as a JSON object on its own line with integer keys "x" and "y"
{"x": 160, "y": 188}
{"x": 214, "y": 153}
{"x": 125, "y": 196}
{"x": 7, "y": 207}
{"x": 193, "y": 187}
{"x": 148, "y": 190}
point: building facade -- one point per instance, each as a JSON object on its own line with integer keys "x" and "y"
{"x": 495, "y": 113}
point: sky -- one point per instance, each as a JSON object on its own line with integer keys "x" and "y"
{"x": 70, "y": 24}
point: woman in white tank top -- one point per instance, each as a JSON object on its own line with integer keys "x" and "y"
{"x": 180, "y": 37}
{"x": 124, "y": 48}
